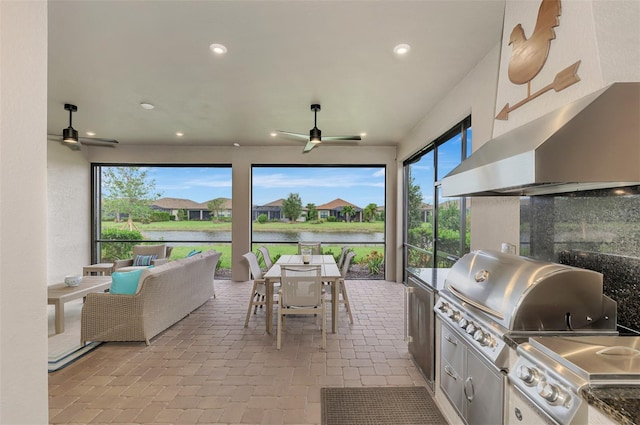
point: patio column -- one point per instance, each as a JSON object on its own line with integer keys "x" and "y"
{"x": 23, "y": 181}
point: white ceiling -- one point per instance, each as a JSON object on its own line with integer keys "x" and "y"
{"x": 107, "y": 57}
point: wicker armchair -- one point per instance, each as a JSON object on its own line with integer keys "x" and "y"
{"x": 162, "y": 253}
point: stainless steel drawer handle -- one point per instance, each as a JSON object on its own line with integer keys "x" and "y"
{"x": 451, "y": 339}
{"x": 469, "y": 391}
{"x": 450, "y": 372}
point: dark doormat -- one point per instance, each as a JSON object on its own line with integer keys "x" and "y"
{"x": 379, "y": 406}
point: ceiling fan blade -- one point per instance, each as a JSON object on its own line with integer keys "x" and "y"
{"x": 97, "y": 141}
{"x": 296, "y": 135}
{"x": 309, "y": 146}
{"x": 325, "y": 138}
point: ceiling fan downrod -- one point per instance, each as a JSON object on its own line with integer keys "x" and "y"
{"x": 315, "y": 135}
{"x": 69, "y": 134}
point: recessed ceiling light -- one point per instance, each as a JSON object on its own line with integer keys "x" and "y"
{"x": 273, "y": 134}
{"x": 363, "y": 134}
{"x": 179, "y": 134}
{"x": 218, "y": 49}
{"x": 90, "y": 133}
{"x": 236, "y": 144}
{"x": 146, "y": 105}
{"x": 401, "y": 49}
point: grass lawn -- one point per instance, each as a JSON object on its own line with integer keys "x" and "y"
{"x": 274, "y": 250}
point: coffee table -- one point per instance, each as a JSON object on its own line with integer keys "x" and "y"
{"x": 60, "y": 293}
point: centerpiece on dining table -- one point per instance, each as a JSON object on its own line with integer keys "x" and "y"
{"x": 306, "y": 255}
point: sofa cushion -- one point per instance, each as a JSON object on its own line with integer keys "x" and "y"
{"x": 144, "y": 260}
{"x": 125, "y": 282}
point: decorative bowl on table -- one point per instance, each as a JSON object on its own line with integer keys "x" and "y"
{"x": 72, "y": 280}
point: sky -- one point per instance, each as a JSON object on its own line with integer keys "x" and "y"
{"x": 423, "y": 170}
{"x": 317, "y": 185}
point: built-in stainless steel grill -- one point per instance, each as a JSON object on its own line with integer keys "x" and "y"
{"x": 492, "y": 301}
{"x": 490, "y": 295}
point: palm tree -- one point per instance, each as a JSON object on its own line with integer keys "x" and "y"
{"x": 370, "y": 212}
{"x": 215, "y": 205}
{"x": 348, "y": 211}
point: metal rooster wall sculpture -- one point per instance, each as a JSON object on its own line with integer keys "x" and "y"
{"x": 528, "y": 56}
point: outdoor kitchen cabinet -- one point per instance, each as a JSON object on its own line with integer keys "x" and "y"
{"x": 420, "y": 325}
{"x": 474, "y": 387}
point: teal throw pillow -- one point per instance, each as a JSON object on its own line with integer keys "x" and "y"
{"x": 125, "y": 282}
{"x": 193, "y": 252}
{"x": 144, "y": 260}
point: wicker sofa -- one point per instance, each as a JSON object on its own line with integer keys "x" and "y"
{"x": 165, "y": 295}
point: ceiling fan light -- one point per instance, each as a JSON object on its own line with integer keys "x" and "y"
{"x": 70, "y": 135}
{"x": 315, "y": 135}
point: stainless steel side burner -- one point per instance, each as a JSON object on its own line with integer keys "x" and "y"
{"x": 550, "y": 371}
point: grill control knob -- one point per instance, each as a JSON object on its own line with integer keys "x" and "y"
{"x": 471, "y": 328}
{"x": 463, "y": 323}
{"x": 481, "y": 337}
{"x": 549, "y": 392}
{"x": 453, "y": 315}
{"x": 527, "y": 374}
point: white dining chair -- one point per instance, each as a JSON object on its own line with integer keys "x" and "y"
{"x": 343, "y": 253}
{"x": 343, "y": 287}
{"x": 315, "y": 247}
{"x": 266, "y": 257}
{"x": 301, "y": 293}
{"x": 259, "y": 289}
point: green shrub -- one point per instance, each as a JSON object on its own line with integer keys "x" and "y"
{"x": 331, "y": 219}
{"x": 159, "y": 216}
{"x": 374, "y": 261}
{"x": 262, "y": 218}
{"x": 112, "y": 251}
{"x": 330, "y": 252}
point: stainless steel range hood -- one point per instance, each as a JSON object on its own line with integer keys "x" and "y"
{"x": 592, "y": 143}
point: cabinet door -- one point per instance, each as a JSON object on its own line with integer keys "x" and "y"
{"x": 420, "y": 327}
{"x": 483, "y": 392}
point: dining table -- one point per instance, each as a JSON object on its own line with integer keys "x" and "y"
{"x": 329, "y": 272}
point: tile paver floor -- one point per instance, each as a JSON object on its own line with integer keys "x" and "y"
{"x": 209, "y": 369}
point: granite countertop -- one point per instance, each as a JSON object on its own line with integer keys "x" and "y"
{"x": 433, "y": 277}
{"x": 621, "y": 403}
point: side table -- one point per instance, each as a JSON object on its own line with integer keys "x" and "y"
{"x": 100, "y": 269}
{"x": 60, "y": 293}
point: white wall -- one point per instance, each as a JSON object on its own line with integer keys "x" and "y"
{"x": 23, "y": 206}
{"x": 619, "y": 50}
{"x": 68, "y": 212}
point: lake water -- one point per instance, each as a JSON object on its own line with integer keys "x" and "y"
{"x": 264, "y": 237}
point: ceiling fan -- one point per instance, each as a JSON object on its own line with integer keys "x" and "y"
{"x": 315, "y": 135}
{"x": 70, "y": 137}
